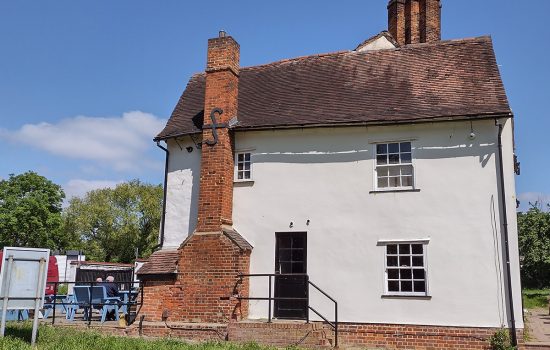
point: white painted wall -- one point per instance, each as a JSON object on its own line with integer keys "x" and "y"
{"x": 183, "y": 192}
{"x": 325, "y": 175}
{"x": 382, "y": 43}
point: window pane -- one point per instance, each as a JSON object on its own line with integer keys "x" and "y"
{"x": 405, "y": 261}
{"x": 392, "y": 261}
{"x": 247, "y": 166}
{"x": 394, "y": 171}
{"x": 407, "y": 181}
{"x": 417, "y": 249}
{"x": 418, "y": 274}
{"x": 240, "y": 166}
{"x": 284, "y": 255}
{"x": 393, "y": 274}
{"x": 420, "y": 286}
{"x": 406, "y": 170}
{"x": 247, "y": 174}
{"x": 382, "y": 159}
{"x": 406, "y": 157}
{"x": 406, "y": 274}
{"x": 391, "y": 249}
{"x": 382, "y": 182}
{"x": 406, "y": 286}
{"x": 404, "y": 249}
{"x": 393, "y": 286}
{"x": 284, "y": 242}
{"x": 247, "y": 157}
{"x": 418, "y": 261}
{"x": 240, "y": 157}
{"x": 298, "y": 254}
{"x": 382, "y": 171}
{"x": 381, "y": 149}
{"x": 298, "y": 267}
{"x": 393, "y": 148}
{"x": 285, "y": 267}
{"x": 405, "y": 146}
{"x": 394, "y": 182}
{"x": 240, "y": 175}
{"x": 394, "y": 158}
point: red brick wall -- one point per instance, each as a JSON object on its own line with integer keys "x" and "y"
{"x": 205, "y": 287}
{"x": 416, "y": 337}
{"x": 414, "y": 21}
{"x": 430, "y": 21}
{"x": 217, "y": 162}
{"x": 396, "y": 20}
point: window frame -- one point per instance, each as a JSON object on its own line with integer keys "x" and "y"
{"x": 375, "y": 167}
{"x": 424, "y": 243}
{"x": 236, "y": 165}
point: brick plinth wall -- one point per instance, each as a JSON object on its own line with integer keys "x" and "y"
{"x": 206, "y": 287}
{"x": 387, "y": 336}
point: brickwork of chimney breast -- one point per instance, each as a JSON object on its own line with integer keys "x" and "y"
{"x": 414, "y": 21}
{"x": 217, "y": 162}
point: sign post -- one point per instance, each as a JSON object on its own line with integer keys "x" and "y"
{"x": 23, "y": 282}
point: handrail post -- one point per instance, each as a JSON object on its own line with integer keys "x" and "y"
{"x": 54, "y": 299}
{"x": 307, "y": 296}
{"x": 269, "y": 302}
{"x": 90, "y": 308}
{"x": 335, "y": 324}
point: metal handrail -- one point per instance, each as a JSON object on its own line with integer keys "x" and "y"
{"x": 90, "y": 305}
{"x": 334, "y": 324}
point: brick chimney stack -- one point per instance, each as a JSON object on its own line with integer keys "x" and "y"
{"x": 217, "y": 163}
{"x": 414, "y": 21}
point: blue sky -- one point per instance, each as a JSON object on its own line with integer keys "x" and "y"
{"x": 85, "y": 85}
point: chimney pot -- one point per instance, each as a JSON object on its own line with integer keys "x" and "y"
{"x": 222, "y": 34}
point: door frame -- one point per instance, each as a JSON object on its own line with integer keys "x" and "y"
{"x": 277, "y": 234}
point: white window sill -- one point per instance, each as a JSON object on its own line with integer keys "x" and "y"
{"x": 407, "y": 296}
{"x": 395, "y": 190}
{"x": 244, "y": 182}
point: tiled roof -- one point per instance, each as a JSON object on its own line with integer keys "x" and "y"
{"x": 237, "y": 239}
{"x": 161, "y": 262}
{"x": 446, "y": 80}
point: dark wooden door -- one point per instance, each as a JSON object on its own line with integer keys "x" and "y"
{"x": 290, "y": 258}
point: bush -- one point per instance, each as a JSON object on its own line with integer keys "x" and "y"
{"x": 501, "y": 341}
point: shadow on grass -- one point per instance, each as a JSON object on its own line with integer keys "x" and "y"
{"x": 19, "y": 330}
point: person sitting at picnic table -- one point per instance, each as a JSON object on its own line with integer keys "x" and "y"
{"x": 111, "y": 287}
{"x": 112, "y": 291}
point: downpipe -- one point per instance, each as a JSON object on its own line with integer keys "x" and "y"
{"x": 506, "y": 238}
{"x": 165, "y": 189}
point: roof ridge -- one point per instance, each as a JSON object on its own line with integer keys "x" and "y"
{"x": 298, "y": 58}
{"x": 343, "y": 52}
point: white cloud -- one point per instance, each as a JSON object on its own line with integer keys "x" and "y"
{"x": 120, "y": 141}
{"x": 78, "y": 187}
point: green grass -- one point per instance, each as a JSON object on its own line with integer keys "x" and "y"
{"x": 18, "y": 337}
{"x": 535, "y": 298}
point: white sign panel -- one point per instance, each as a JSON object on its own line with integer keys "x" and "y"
{"x": 23, "y": 277}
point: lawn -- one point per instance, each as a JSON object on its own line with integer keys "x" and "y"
{"x": 56, "y": 338}
{"x": 535, "y": 298}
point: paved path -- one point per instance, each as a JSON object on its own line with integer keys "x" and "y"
{"x": 538, "y": 322}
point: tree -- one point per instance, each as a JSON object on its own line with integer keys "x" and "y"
{"x": 534, "y": 246}
{"x": 112, "y": 223}
{"x": 30, "y": 212}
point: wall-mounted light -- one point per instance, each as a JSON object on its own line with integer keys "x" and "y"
{"x": 189, "y": 149}
{"x": 472, "y": 135}
{"x": 307, "y": 222}
{"x": 291, "y": 225}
